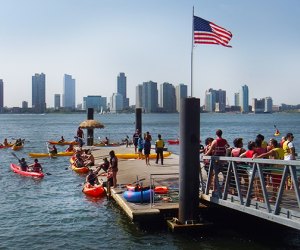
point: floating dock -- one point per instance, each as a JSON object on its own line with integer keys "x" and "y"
{"x": 132, "y": 171}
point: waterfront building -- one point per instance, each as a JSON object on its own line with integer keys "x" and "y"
{"x": 122, "y": 89}
{"x": 167, "y": 97}
{"x": 244, "y": 99}
{"x": 24, "y": 105}
{"x": 264, "y": 105}
{"x": 258, "y": 106}
{"x": 57, "y": 101}
{"x": 237, "y": 99}
{"x": 116, "y": 103}
{"x": 181, "y": 92}
{"x": 69, "y": 92}
{"x": 39, "y": 93}
{"x": 210, "y": 100}
{"x": 268, "y": 105}
{"x": 97, "y": 102}
{"x": 215, "y": 100}
{"x": 1, "y": 94}
{"x": 150, "y": 97}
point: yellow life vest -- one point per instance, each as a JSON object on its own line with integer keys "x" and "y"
{"x": 286, "y": 148}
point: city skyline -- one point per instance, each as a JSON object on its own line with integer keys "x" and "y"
{"x": 149, "y": 42}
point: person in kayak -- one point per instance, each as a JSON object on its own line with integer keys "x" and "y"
{"x": 70, "y": 148}
{"x": 79, "y": 163}
{"x": 53, "y": 150}
{"x": 88, "y": 158}
{"x": 62, "y": 139}
{"x": 23, "y": 165}
{"x": 92, "y": 177}
{"x": 36, "y": 167}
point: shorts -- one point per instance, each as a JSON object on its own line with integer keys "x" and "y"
{"x": 140, "y": 150}
{"x": 276, "y": 179}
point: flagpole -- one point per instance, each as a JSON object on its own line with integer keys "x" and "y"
{"x": 192, "y": 55}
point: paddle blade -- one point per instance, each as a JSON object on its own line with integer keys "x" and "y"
{"x": 15, "y": 156}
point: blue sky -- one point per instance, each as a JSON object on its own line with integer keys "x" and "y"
{"x": 94, "y": 40}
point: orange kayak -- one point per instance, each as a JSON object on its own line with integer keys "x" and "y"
{"x": 94, "y": 191}
{"x": 63, "y": 143}
{"x": 82, "y": 170}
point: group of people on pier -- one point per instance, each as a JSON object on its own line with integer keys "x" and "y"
{"x": 144, "y": 143}
{"x": 257, "y": 148}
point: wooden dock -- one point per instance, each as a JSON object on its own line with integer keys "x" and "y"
{"x": 133, "y": 170}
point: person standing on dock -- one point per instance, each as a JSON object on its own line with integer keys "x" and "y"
{"x": 147, "y": 149}
{"x": 80, "y": 133}
{"x": 113, "y": 168}
{"x": 140, "y": 146}
{"x": 135, "y": 139}
{"x": 159, "y": 148}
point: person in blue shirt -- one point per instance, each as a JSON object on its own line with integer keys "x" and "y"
{"x": 140, "y": 146}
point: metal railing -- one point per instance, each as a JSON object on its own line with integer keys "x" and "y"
{"x": 268, "y": 189}
{"x": 171, "y": 195}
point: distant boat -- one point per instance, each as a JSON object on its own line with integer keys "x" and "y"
{"x": 101, "y": 111}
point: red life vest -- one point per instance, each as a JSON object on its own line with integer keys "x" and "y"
{"x": 220, "y": 148}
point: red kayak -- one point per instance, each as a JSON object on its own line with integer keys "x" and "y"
{"x": 173, "y": 141}
{"x": 16, "y": 169}
{"x": 95, "y": 191}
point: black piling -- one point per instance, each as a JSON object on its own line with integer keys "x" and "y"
{"x": 189, "y": 160}
{"x": 90, "y": 131}
{"x": 138, "y": 119}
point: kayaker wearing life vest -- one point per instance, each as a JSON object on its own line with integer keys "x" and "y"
{"x": 36, "y": 166}
{"x": 288, "y": 147}
{"x": 218, "y": 146}
{"x": 23, "y": 164}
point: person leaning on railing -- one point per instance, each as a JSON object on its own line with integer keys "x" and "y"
{"x": 277, "y": 153}
{"x": 289, "y": 154}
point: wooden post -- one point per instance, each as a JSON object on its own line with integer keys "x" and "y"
{"x": 90, "y": 131}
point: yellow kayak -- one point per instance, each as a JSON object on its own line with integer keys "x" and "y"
{"x": 37, "y": 155}
{"x": 135, "y": 156}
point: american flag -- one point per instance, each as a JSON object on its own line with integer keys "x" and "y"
{"x": 206, "y": 32}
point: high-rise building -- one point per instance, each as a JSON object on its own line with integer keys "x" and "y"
{"x": 1, "y": 94}
{"x": 150, "y": 97}
{"x": 258, "y": 106}
{"x": 69, "y": 92}
{"x": 264, "y": 105}
{"x": 237, "y": 99}
{"x": 268, "y": 105}
{"x": 210, "y": 100}
{"x": 96, "y": 102}
{"x": 167, "y": 97}
{"x": 181, "y": 92}
{"x": 116, "y": 103}
{"x": 57, "y": 101}
{"x": 244, "y": 99}
{"x": 39, "y": 93}
{"x": 215, "y": 100}
{"x": 122, "y": 89}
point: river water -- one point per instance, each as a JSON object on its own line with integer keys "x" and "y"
{"x": 53, "y": 213}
